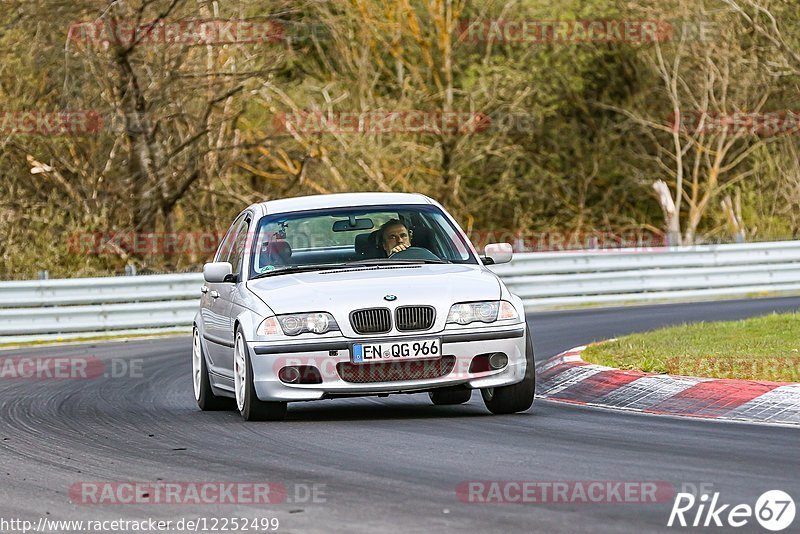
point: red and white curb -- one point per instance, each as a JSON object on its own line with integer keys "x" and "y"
{"x": 567, "y": 378}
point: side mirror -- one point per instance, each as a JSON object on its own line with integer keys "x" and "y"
{"x": 218, "y": 272}
{"x": 498, "y": 253}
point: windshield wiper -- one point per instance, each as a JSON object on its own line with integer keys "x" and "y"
{"x": 289, "y": 269}
{"x": 386, "y": 261}
{"x": 372, "y": 262}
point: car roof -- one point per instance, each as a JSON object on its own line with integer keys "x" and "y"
{"x": 339, "y": 200}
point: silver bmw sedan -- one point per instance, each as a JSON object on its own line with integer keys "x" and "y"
{"x": 356, "y": 294}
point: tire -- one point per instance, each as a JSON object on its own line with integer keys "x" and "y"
{"x": 247, "y": 402}
{"x": 201, "y": 384}
{"x": 516, "y": 397}
{"x": 447, "y": 397}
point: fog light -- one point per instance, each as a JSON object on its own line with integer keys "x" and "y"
{"x": 300, "y": 374}
{"x": 498, "y": 360}
{"x": 289, "y": 375}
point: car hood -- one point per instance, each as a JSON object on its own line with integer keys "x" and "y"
{"x": 364, "y": 287}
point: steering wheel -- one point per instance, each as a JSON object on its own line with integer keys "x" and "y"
{"x": 415, "y": 253}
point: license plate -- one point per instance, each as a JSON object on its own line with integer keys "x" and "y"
{"x": 398, "y": 350}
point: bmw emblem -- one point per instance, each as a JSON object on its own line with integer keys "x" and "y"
{"x": 390, "y": 298}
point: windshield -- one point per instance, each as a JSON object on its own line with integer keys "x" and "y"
{"x": 373, "y": 234}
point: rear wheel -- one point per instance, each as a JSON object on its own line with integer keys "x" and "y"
{"x": 203, "y": 393}
{"x": 516, "y": 397}
{"x": 445, "y": 397}
{"x": 249, "y": 405}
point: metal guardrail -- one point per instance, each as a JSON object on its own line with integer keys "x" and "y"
{"x": 76, "y": 291}
{"x": 52, "y": 309}
{"x": 564, "y": 279}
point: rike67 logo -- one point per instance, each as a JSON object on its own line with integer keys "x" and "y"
{"x": 774, "y": 510}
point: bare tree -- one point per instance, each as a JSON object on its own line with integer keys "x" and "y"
{"x": 702, "y": 144}
{"x": 761, "y": 17}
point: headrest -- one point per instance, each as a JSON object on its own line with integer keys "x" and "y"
{"x": 367, "y": 245}
{"x": 421, "y": 237}
{"x": 275, "y": 253}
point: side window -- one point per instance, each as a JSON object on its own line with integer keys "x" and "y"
{"x": 224, "y": 250}
{"x": 238, "y": 246}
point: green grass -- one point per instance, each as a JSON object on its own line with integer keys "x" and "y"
{"x": 113, "y": 337}
{"x": 761, "y": 348}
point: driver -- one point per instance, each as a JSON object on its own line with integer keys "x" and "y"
{"x": 395, "y": 236}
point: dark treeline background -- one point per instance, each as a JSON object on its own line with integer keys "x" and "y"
{"x": 582, "y": 135}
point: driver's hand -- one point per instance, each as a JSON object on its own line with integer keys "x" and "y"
{"x": 398, "y": 248}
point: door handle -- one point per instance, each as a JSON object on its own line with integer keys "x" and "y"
{"x": 214, "y": 294}
{"x": 204, "y": 289}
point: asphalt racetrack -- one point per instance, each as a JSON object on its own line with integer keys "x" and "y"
{"x": 376, "y": 464}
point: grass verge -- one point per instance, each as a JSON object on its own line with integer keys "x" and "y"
{"x": 88, "y": 339}
{"x": 760, "y": 348}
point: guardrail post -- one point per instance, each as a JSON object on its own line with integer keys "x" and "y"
{"x": 43, "y": 275}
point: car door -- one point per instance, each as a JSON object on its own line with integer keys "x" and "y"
{"x": 215, "y": 308}
{"x": 228, "y": 292}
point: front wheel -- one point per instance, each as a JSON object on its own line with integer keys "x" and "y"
{"x": 516, "y": 397}
{"x": 203, "y": 393}
{"x": 249, "y": 405}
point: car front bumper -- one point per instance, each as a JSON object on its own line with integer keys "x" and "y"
{"x": 326, "y": 354}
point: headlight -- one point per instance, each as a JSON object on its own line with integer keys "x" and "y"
{"x": 485, "y": 312}
{"x": 297, "y": 323}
